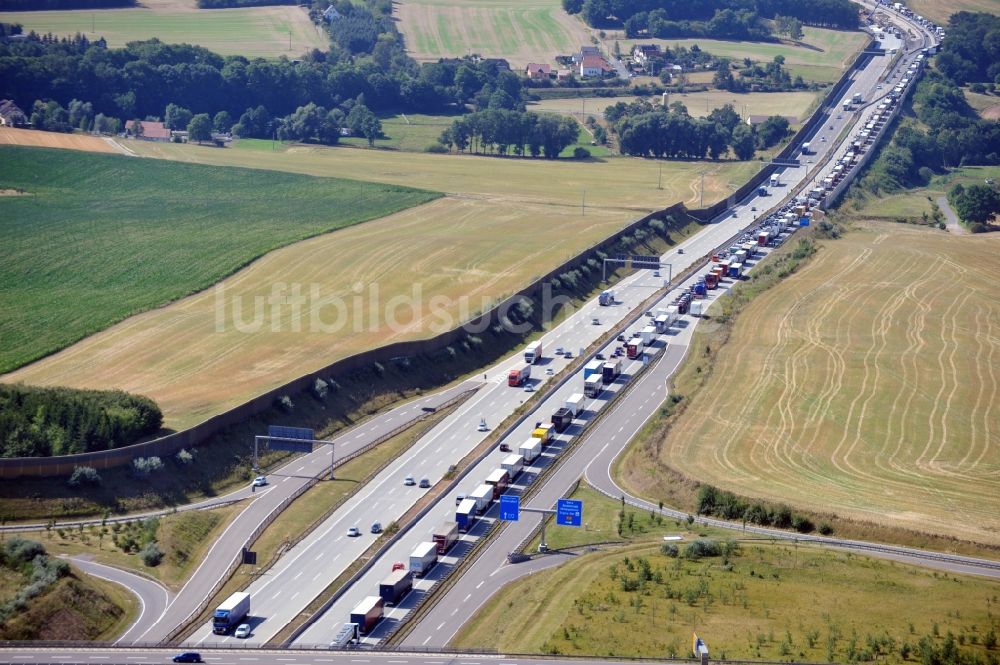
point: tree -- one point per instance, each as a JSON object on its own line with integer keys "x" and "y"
{"x": 222, "y": 122}
{"x": 137, "y": 128}
{"x": 772, "y": 131}
{"x": 976, "y": 203}
{"x": 743, "y": 142}
{"x": 176, "y": 117}
{"x": 200, "y": 128}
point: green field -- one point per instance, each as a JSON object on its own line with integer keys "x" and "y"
{"x": 822, "y": 56}
{"x": 519, "y": 31}
{"x": 101, "y": 238}
{"x": 266, "y": 32}
{"x": 767, "y": 601}
{"x": 987, "y": 106}
{"x": 912, "y": 203}
{"x": 865, "y": 388}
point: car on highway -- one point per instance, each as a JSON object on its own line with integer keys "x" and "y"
{"x": 188, "y": 657}
{"x": 459, "y": 498}
{"x": 621, "y": 338}
{"x": 839, "y": 117}
{"x": 599, "y": 356}
{"x": 549, "y": 371}
{"x": 656, "y": 273}
{"x": 736, "y": 214}
{"x": 242, "y": 631}
{"x": 680, "y": 250}
{"x": 409, "y": 481}
{"x": 504, "y": 448}
{"x": 559, "y": 350}
{"x": 754, "y": 208}
{"x": 260, "y": 481}
{"x": 425, "y": 483}
{"x": 568, "y": 354}
{"x": 822, "y": 139}
{"x": 399, "y": 565}
{"x": 528, "y": 388}
{"x": 353, "y": 532}
{"x": 376, "y": 527}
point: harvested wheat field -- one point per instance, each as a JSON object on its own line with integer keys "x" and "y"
{"x": 519, "y": 31}
{"x": 36, "y": 139}
{"x": 867, "y": 384}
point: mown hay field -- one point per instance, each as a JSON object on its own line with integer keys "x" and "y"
{"x": 776, "y": 602}
{"x": 939, "y": 10}
{"x": 102, "y": 237}
{"x": 867, "y": 385}
{"x": 519, "y": 31}
{"x": 821, "y": 56}
{"x": 699, "y": 104}
{"x": 252, "y": 31}
{"x": 28, "y": 137}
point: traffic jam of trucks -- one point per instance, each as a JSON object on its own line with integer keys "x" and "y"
{"x": 598, "y": 375}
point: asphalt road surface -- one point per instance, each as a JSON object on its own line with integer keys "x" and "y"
{"x": 283, "y": 483}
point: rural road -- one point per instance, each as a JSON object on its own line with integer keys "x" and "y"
{"x": 951, "y": 219}
{"x": 153, "y": 596}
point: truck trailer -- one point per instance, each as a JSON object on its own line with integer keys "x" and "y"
{"x": 423, "y": 558}
{"x": 465, "y": 515}
{"x": 368, "y": 613}
{"x": 634, "y": 348}
{"x": 518, "y": 375}
{"x": 533, "y": 353}
{"x": 647, "y": 334}
{"x": 483, "y": 496}
{"x": 575, "y": 403}
{"x": 231, "y": 613}
{"x": 591, "y": 368}
{"x": 611, "y": 370}
{"x": 530, "y": 449}
{"x": 498, "y": 479}
{"x": 562, "y": 419}
{"x": 514, "y": 464}
{"x": 392, "y": 589}
{"x": 592, "y": 386}
{"x": 543, "y": 432}
{"x": 445, "y": 536}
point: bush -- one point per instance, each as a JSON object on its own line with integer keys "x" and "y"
{"x": 183, "y": 457}
{"x": 285, "y": 403}
{"x": 143, "y": 466}
{"x": 701, "y": 548}
{"x": 437, "y": 148}
{"x": 84, "y": 475}
{"x": 580, "y": 152}
{"x": 151, "y": 555}
{"x": 17, "y": 550}
{"x": 320, "y": 388}
{"x": 802, "y": 524}
{"x": 825, "y": 528}
{"x": 669, "y": 549}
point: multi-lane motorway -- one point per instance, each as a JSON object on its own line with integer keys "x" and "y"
{"x": 313, "y": 564}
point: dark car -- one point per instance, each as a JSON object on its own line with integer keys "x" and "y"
{"x": 188, "y": 657}
{"x": 599, "y": 356}
{"x": 621, "y": 338}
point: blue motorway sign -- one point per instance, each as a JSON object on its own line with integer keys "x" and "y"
{"x": 510, "y": 507}
{"x": 302, "y": 444}
{"x": 569, "y": 512}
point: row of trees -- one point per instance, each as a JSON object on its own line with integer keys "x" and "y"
{"x": 315, "y": 124}
{"x": 954, "y": 136}
{"x": 771, "y": 77}
{"x": 37, "y": 5}
{"x": 645, "y": 129}
{"x": 140, "y": 79}
{"x": 972, "y": 51}
{"x": 39, "y": 422}
{"x": 607, "y": 13}
{"x": 504, "y": 131}
{"x": 725, "y": 24}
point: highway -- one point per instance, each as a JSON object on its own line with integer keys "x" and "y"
{"x": 313, "y": 564}
{"x": 596, "y": 453}
{"x": 284, "y": 483}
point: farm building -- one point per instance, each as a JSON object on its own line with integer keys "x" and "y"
{"x": 593, "y": 65}
{"x": 11, "y": 115}
{"x": 644, "y": 53}
{"x": 584, "y": 52}
{"x": 537, "y": 71}
{"x": 151, "y": 131}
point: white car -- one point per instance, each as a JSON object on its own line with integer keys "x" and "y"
{"x": 353, "y": 532}
{"x": 242, "y": 631}
{"x": 528, "y": 388}
{"x": 409, "y": 481}
{"x": 260, "y": 481}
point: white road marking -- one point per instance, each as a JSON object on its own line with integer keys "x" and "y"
{"x": 441, "y": 625}
{"x": 467, "y": 598}
{"x": 298, "y": 576}
{"x": 428, "y": 639}
{"x": 481, "y": 584}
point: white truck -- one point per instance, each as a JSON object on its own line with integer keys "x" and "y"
{"x": 662, "y": 323}
{"x": 512, "y": 464}
{"x": 593, "y": 385}
{"x": 647, "y": 334}
{"x": 775, "y": 181}
{"x": 423, "y": 557}
{"x": 575, "y": 403}
{"x": 483, "y": 496}
{"x": 531, "y": 448}
{"x": 533, "y": 353}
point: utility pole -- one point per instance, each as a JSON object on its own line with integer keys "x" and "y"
{"x": 659, "y": 175}
{"x": 702, "y": 204}
{"x": 583, "y": 204}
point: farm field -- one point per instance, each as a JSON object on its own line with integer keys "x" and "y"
{"x": 519, "y": 31}
{"x": 253, "y": 32}
{"x": 765, "y": 601}
{"x": 822, "y": 56}
{"x": 939, "y": 10}
{"x": 868, "y": 387}
{"x": 699, "y": 104}
{"x": 470, "y": 244}
{"x": 912, "y": 203}
{"x": 988, "y": 106}
{"x": 81, "y": 251}
{"x": 28, "y": 137}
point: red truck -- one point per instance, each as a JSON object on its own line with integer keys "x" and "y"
{"x": 368, "y": 613}
{"x": 518, "y": 375}
{"x": 445, "y": 536}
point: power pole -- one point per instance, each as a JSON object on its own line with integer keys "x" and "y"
{"x": 702, "y": 204}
